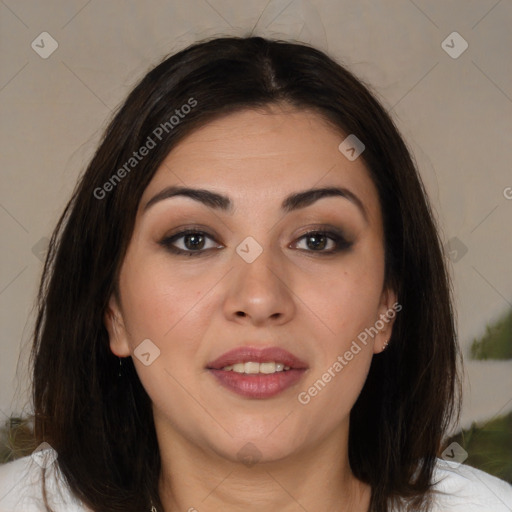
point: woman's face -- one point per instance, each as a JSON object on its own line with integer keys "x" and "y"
{"x": 248, "y": 276}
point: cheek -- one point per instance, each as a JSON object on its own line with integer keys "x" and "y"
{"x": 348, "y": 303}
{"x": 164, "y": 304}
{"x": 345, "y": 299}
{"x": 331, "y": 392}
{"x": 168, "y": 307}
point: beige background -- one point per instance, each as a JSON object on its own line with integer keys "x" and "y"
{"x": 454, "y": 113}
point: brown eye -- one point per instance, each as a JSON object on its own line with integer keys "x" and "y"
{"x": 192, "y": 244}
{"x": 194, "y": 241}
{"x": 318, "y": 241}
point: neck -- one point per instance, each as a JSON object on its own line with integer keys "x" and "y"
{"x": 317, "y": 478}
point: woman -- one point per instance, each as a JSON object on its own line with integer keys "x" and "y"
{"x": 245, "y": 305}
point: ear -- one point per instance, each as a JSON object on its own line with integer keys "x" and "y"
{"x": 388, "y": 309}
{"x": 116, "y": 330}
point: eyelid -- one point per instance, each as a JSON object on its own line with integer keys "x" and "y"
{"x": 194, "y": 228}
{"x": 327, "y": 228}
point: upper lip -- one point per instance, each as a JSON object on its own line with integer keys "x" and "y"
{"x": 257, "y": 355}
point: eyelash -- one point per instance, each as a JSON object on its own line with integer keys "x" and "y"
{"x": 341, "y": 244}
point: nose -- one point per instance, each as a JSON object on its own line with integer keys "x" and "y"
{"x": 259, "y": 292}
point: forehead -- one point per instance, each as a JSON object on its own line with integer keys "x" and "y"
{"x": 263, "y": 156}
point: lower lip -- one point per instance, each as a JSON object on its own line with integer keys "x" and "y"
{"x": 258, "y": 385}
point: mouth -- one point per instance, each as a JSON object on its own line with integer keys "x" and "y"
{"x": 257, "y": 373}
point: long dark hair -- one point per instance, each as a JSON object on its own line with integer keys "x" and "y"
{"x": 101, "y": 424}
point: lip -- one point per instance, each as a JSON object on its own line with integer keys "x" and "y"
{"x": 257, "y": 385}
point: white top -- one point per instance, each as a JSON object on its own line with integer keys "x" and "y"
{"x": 461, "y": 489}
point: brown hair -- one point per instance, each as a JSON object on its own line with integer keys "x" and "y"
{"x": 102, "y": 425}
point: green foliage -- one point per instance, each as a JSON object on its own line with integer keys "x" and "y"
{"x": 496, "y": 342}
{"x": 16, "y": 439}
{"x": 489, "y": 446}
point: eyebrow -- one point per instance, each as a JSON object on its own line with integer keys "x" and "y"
{"x": 292, "y": 202}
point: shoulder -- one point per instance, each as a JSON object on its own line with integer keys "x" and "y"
{"x": 21, "y": 488}
{"x": 458, "y": 487}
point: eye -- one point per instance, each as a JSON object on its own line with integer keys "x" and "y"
{"x": 318, "y": 241}
{"x": 193, "y": 243}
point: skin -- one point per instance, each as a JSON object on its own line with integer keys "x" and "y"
{"x": 291, "y": 296}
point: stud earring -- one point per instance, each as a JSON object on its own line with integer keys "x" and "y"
{"x": 385, "y": 345}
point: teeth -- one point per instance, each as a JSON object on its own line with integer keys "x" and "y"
{"x": 267, "y": 367}
{"x": 252, "y": 367}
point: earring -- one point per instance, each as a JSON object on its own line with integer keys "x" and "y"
{"x": 119, "y": 374}
{"x": 385, "y": 345}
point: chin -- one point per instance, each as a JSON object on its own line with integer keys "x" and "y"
{"x": 258, "y": 443}
{"x": 257, "y": 451}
